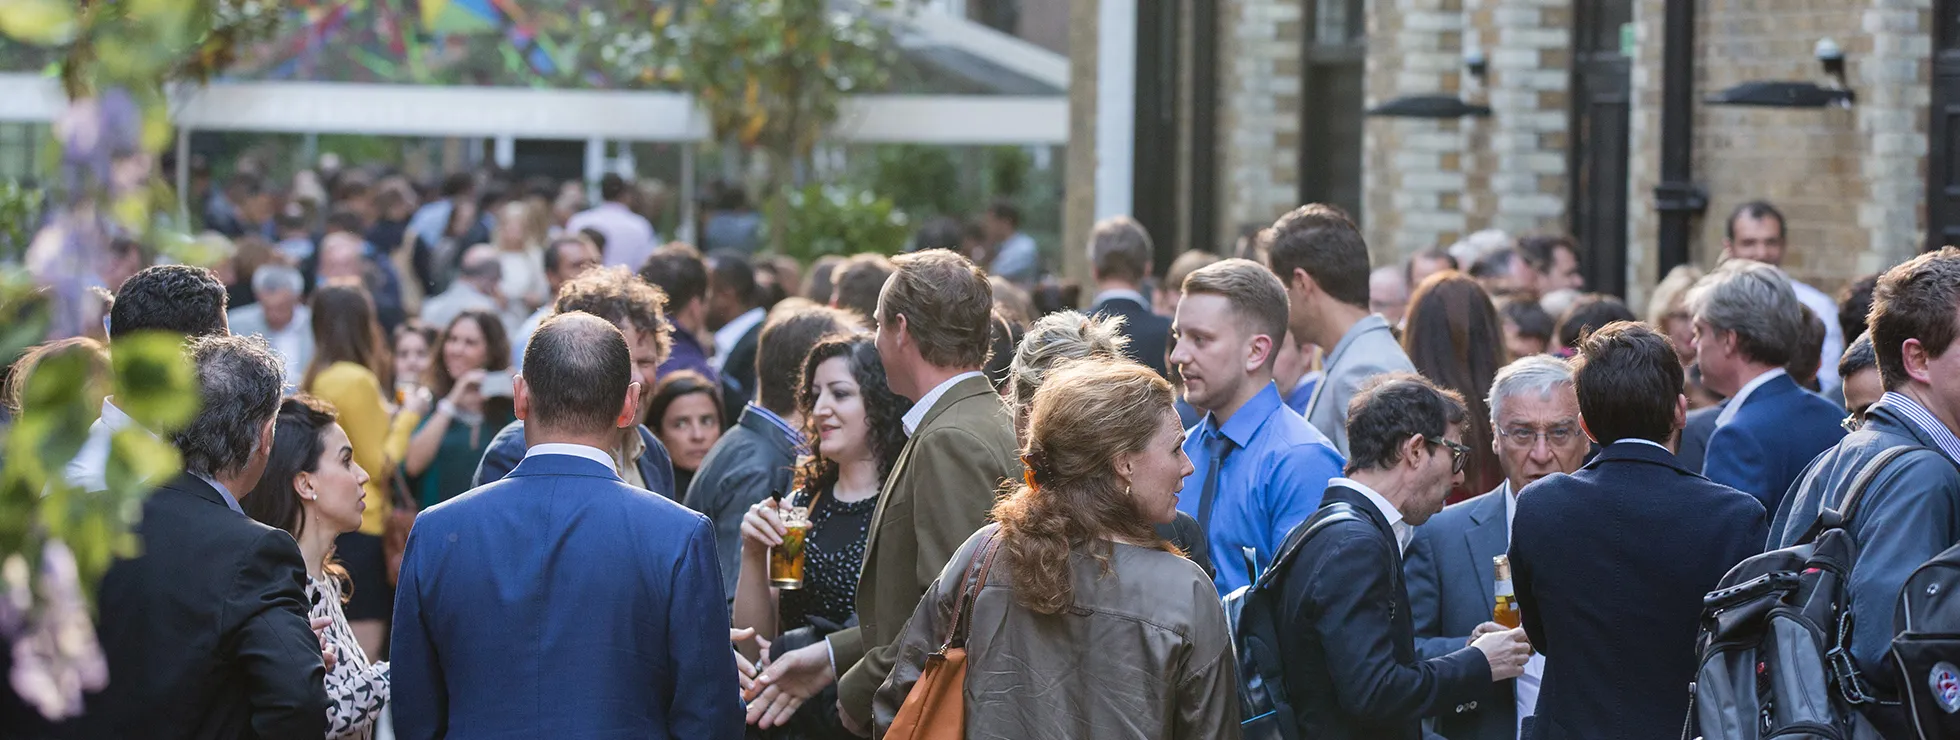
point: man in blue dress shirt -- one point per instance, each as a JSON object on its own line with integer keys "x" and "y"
{"x": 1259, "y": 467}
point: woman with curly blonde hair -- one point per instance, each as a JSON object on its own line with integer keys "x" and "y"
{"x": 1086, "y": 624}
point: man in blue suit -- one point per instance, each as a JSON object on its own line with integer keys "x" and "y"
{"x": 1452, "y": 584}
{"x": 560, "y": 601}
{"x": 1748, "y": 322}
{"x": 1611, "y": 562}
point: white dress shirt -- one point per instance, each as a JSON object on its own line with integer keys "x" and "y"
{"x": 1526, "y": 690}
{"x": 1742, "y": 396}
{"x": 731, "y": 333}
{"x": 590, "y": 453}
{"x": 1403, "y": 532}
{"x": 630, "y": 239}
{"x": 1826, "y": 308}
{"x": 917, "y": 415}
{"x": 89, "y": 470}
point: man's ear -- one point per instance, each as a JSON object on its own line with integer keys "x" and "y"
{"x": 1259, "y": 354}
{"x": 521, "y": 397}
{"x": 1917, "y": 360}
{"x": 630, "y": 409}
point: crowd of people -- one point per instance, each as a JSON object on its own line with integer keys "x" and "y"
{"x": 482, "y": 467}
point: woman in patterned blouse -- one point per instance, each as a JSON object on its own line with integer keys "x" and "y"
{"x": 312, "y": 489}
{"x": 853, "y": 425}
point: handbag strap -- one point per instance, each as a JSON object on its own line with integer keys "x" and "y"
{"x": 972, "y": 580}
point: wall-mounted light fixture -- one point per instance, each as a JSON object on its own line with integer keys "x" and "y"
{"x": 1474, "y": 61}
{"x": 1780, "y": 94}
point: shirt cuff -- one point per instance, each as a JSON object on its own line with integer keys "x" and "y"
{"x": 831, "y": 653}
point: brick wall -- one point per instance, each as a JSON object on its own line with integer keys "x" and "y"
{"x": 1259, "y": 111}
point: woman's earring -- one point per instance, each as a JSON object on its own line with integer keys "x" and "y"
{"x": 309, "y": 495}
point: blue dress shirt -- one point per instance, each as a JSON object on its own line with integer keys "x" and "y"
{"x": 1274, "y": 472}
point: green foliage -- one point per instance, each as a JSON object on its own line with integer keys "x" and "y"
{"x": 924, "y": 180}
{"x": 835, "y": 219}
{"x": 20, "y": 212}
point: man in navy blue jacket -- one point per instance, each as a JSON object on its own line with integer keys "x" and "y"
{"x": 560, "y": 601}
{"x": 1748, "y": 322}
{"x": 1611, "y": 562}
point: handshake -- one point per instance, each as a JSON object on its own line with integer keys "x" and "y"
{"x": 1506, "y": 649}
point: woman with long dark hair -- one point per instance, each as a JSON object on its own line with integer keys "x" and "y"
{"x": 312, "y": 488}
{"x": 1085, "y": 623}
{"x": 685, "y": 414}
{"x": 1454, "y": 337}
{"x": 443, "y": 455}
{"x": 348, "y": 360}
{"x": 852, "y": 424}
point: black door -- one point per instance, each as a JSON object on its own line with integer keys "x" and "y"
{"x": 1333, "y": 93}
{"x": 1153, "y": 194}
{"x": 1943, "y": 139}
{"x": 1601, "y": 79}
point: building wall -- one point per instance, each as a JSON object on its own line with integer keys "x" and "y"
{"x": 1259, "y": 112}
{"x": 1850, "y": 181}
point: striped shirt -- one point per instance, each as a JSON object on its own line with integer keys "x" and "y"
{"x": 1925, "y": 420}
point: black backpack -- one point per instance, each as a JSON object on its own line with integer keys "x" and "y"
{"x": 1926, "y": 649}
{"x": 1253, "y": 613}
{"x": 1775, "y": 637}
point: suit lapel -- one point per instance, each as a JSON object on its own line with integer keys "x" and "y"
{"x": 884, "y": 499}
{"x": 1487, "y": 538}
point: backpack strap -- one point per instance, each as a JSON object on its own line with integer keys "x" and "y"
{"x": 1338, "y": 511}
{"x": 972, "y": 580}
{"x": 1838, "y": 517}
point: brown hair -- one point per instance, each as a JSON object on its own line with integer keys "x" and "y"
{"x": 947, "y": 304}
{"x": 1323, "y": 241}
{"x": 1085, "y": 414}
{"x": 94, "y": 352}
{"x": 857, "y": 282}
{"x": 496, "y": 348}
{"x": 1255, "y": 293}
{"x": 1119, "y": 249}
{"x": 619, "y": 296}
{"x": 786, "y": 339}
{"x": 1454, "y": 338}
{"x": 1914, "y": 300}
{"x": 345, "y": 330}
{"x": 1184, "y": 265}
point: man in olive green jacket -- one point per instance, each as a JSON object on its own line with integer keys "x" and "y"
{"x": 933, "y": 322}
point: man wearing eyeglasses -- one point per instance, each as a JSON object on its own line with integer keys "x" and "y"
{"x": 1535, "y": 414}
{"x": 1611, "y": 562}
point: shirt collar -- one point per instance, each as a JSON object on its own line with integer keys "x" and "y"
{"x": 114, "y": 418}
{"x": 1900, "y": 402}
{"x": 590, "y": 453}
{"x": 231, "y": 501}
{"x": 731, "y": 332}
{"x": 1403, "y": 532}
{"x": 917, "y": 415}
{"x": 1648, "y": 442}
{"x": 1510, "y": 502}
{"x": 795, "y": 437}
{"x": 1249, "y": 418}
{"x": 1742, "y": 396}
{"x": 1120, "y": 294}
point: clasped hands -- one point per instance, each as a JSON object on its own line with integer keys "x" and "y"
{"x": 774, "y": 690}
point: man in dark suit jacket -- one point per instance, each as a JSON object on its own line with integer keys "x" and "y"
{"x": 206, "y": 631}
{"x": 737, "y": 315}
{"x": 1693, "y": 452}
{"x": 1611, "y": 562}
{"x": 757, "y": 456}
{"x": 1748, "y": 323}
{"x": 638, "y": 309}
{"x": 1347, "y": 639}
{"x": 1452, "y": 583}
{"x": 561, "y": 601}
{"x": 1120, "y": 256}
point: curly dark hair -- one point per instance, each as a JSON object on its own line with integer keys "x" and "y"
{"x": 883, "y": 409}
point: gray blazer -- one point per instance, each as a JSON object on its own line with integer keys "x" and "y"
{"x": 745, "y": 465}
{"x": 1452, "y": 589}
{"x": 1367, "y": 350}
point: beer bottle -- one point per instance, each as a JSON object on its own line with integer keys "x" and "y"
{"x": 1506, "y": 612}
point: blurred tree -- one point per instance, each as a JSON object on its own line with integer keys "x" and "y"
{"x": 825, "y": 219}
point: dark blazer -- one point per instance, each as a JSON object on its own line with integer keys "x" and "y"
{"x": 507, "y": 449}
{"x": 1610, "y": 565}
{"x": 1693, "y": 452}
{"x": 1777, "y": 431}
{"x": 938, "y": 494}
{"x": 561, "y": 602}
{"x": 1452, "y": 589}
{"x": 1910, "y": 513}
{"x": 748, "y": 463}
{"x": 738, "y": 374}
{"x": 206, "y": 632}
{"x": 1347, "y": 638}
{"x": 1150, "y": 334}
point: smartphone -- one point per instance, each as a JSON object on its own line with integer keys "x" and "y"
{"x": 498, "y": 384}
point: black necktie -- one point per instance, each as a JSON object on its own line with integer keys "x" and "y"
{"x": 1218, "y": 445}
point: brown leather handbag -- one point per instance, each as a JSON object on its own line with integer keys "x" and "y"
{"x": 936, "y": 707}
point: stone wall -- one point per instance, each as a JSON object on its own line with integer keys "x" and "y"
{"x": 1259, "y": 111}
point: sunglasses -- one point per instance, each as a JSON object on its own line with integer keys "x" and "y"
{"x": 1459, "y": 454}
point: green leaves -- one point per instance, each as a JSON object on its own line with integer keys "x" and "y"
{"x": 837, "y": 219}
{"x": 43, "y": 22}
{"x": 153, "y": 382}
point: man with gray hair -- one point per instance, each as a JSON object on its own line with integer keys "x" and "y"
{"x": 1534, "y": 414}
{"x": 1747, "y": 323}
{"x": 475, "y": 289}
{"x": 206, "y": 631}
{"x": 278, "y": 315}
{"x": 1120, "y": 257}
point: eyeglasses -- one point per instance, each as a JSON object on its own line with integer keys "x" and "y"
{"x": 1525, "y": 438}
{"x": 1854, "y": 422}
{"x": 1459, "y": 454}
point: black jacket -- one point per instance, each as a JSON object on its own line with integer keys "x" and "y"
{"x": 206, "y": 632}
{"x": 1150, "y": 334}
{"x": 1347, "y": 640}
{"x": 1610, "y": 565}
{"x": 738, "y": 375}
{"x": 748, "y": 463}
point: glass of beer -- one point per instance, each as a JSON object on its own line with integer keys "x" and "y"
{"x": 786, "y": 560}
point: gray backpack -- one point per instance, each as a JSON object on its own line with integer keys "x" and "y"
{"x": 1775, "y": 636}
